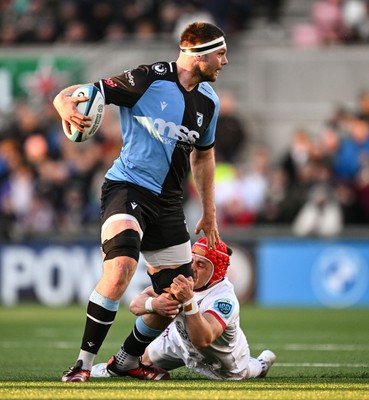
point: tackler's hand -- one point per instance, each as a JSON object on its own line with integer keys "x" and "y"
{"x": 182, "y": 288}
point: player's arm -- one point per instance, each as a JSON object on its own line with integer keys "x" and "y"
{"x": 66, "y": 106}
{"x": 202, "y": 329}
{"x": 203, "y": 170}
{"x": 148, "y": 302}
{"x": 126, "y": 89}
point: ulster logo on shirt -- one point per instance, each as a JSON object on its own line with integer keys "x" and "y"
{"x": 200, "y": 118}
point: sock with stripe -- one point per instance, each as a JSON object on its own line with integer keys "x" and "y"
{"x": 135, "y": 344}
{"x": 101, "y": 313}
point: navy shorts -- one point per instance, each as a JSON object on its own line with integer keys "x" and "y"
{"x": 161, "y": 220}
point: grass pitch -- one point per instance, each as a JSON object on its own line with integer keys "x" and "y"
{"x": 321, "y": 354}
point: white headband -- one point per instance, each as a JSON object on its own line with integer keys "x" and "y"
{"x": 204, "y": 48}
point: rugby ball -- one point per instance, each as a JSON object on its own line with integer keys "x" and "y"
{"x": 94, "y": 108}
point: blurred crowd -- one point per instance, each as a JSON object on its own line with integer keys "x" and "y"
{"x": 334, "y": 22}
{"x": 76, "y": 21}
{"x": 319, "y": 186}
{"x": 50, "y": 185}
{"x": 79, "y": 21}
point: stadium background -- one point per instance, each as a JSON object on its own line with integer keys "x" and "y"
{"x": 284, "y": 77}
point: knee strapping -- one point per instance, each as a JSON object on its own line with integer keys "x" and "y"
{"x": 125, "y": 243}
{"x": 163, "y": 279}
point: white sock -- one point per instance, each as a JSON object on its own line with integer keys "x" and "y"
{"x": 87, "y": 358}
{"x": 254, "y": 368}
{"x": 125, "y": 361}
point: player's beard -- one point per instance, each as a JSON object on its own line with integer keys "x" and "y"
{"x": 206, "y": 74}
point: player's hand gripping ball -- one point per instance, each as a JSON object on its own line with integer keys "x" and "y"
{"x": 94, "y": 108}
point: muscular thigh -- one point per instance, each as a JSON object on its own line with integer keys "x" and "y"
{"x": 124, "y": 205}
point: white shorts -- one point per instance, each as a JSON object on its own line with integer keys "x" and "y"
{"x": 175, "y": 255}
{"x": 168, "y": 351}
{"x": 165, "y": 352}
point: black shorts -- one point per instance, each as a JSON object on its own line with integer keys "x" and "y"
{"x": 161, "y": 220}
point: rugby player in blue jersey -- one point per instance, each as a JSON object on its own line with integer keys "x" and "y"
{"x": 168, "y": 116}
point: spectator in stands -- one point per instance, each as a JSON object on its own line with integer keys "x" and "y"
{"x": 327, "y": 18}
{"x": 297, "y": 155}
{"x": 321, "y": 215}
{"x": 355, "y": 18}
{"x": 231, "y": 133}
{"x": 114, "y": 32}
{"x": 190, "y": 13}
{"x": 239, "y": 200}
{"x": 326, "y": 26}
{"x": 102, "y": 14}
{"x": 169, "y": 12}
{"x": 76, "y": 32}
{"x": 362, "y": 190}
{"x": 232, "y": 15}
{"x": 231, "y": 203}
{"x": 353, "y": 150}
{"x": 282, "y": 200}
{"x": 363, "y": 105}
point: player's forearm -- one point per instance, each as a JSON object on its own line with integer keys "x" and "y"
{"x": 139, "y": 305}
{"x": 148, "y": 302}
{"x": 199, "y": 331}
{"x": 203, "y": 169}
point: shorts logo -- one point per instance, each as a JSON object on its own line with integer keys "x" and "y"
{"x": 225, "y": 306}
{"x": 160, "y": 68}
{"x": 200, "y": 119}
{"x": 130, "y": 78}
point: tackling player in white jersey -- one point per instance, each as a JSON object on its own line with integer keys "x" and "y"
{"x": 205, "y": 335}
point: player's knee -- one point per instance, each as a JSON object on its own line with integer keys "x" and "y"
{"x": 120, "y": 271}
{"x": 125, "y": 243}
{"x": 162, "y": 280}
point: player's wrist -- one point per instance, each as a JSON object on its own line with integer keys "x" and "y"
{"x": 190, "y": 306}
{"x": 148, "y": 305}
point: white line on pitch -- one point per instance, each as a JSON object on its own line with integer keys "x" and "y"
{"x": 323, "y": 365}
{"x": 313, "y": 347}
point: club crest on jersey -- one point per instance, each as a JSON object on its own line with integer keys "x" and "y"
{"x": 225, "y": 306}
{"x": 200, "y": 119}
{"x": 160, "y": 68}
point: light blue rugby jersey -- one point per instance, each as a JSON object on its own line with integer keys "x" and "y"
{"x": 161, "y": 123}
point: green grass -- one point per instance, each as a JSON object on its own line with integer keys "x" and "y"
{"x": 321, "y": 354}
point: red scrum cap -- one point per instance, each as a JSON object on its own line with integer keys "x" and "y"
{"x": 218, "y": 257}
